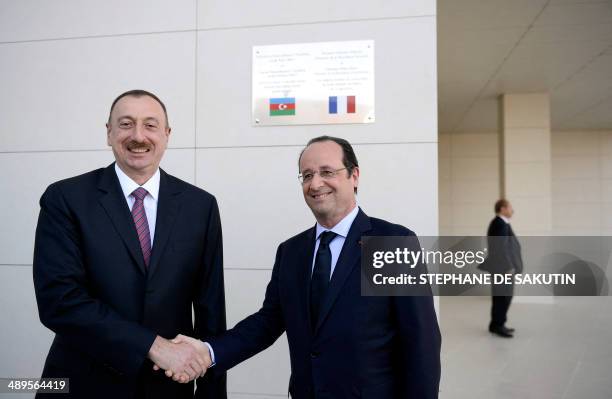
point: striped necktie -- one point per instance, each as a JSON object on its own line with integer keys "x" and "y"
{"x": 142, "y": 224}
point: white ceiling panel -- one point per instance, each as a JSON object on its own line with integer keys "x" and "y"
{"x": 571, "y": 33}
{"x": 486, "y": 48}
{"x": 576, "y": 97}
{"x": 576, "y": 14}
{"x": 461, "y": 66}
{"x": 568, "y": 55}
{"x": 483, "y": 14}
{"x": 481, "y": 117}
{"x": 458, "y": 92}
{"x": 578, "y": 1}
{"x": 598, "y": 117}
{"x": 542, "y": 67}
{"x": 449, "y": 119}
{"x": 460, "y": 37}
{"x": 598, "y": 72}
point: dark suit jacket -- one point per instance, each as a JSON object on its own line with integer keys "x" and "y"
{"x": 504, "y": 249}
{"x": 105, "y": 308}
{"x": 362, "y": 347}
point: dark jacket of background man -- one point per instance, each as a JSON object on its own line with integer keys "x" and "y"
{"x": 503, "y": 247}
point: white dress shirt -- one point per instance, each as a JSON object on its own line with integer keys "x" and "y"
{"x": 505, "y": 219}
{"x": 335, "y": 246}
{"x": 150, "y": 201}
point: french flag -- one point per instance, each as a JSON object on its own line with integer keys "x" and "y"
{"x": 341, "y": 104}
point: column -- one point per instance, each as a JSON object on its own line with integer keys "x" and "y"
{"x": 525, "y": 160}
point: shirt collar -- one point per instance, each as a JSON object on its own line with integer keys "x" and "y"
{"x": 128, "y": 185}
{"x": 505, "y": 219}
{"x": 343, "y": 226}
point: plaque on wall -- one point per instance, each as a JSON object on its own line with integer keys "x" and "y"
{"x": 313, "y": 83}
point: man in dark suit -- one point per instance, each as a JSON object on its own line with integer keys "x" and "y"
{"x": 341, "y": 344}
{"x": 122, "y": 255}
{"x": 504, "y": 257}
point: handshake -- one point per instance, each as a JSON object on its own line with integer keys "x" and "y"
{"x": 183, "y": 358}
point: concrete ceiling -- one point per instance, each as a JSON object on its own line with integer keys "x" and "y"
{"x": 490, "y": 47}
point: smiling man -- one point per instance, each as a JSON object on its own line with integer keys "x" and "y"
{"x": 122, "y": 256}
{"x": 341, "y": 344}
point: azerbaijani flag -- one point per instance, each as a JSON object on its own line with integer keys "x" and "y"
{"x": 282, "y": 106}
{"x": 342, "y": 104}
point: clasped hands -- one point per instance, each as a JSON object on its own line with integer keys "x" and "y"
{"x": 183, "y": 358}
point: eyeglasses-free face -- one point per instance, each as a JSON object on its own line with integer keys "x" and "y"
{"x": 138, "y": 135}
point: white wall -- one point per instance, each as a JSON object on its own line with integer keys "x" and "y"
{"x": 63, "y": 63}
{"x": 581, "y": 182}
{"x": 468, "y": 182}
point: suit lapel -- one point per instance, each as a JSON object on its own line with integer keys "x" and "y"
{"x": 117, "y": 209}
{"x": 348, "y": 259}
{"x": 305, "y": 270}
{"x": 168, "y": 205}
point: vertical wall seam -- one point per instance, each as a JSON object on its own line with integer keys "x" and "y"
{"x": 195, "y": 101}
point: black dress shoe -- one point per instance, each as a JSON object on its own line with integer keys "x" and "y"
{"x": 501, "y": 331}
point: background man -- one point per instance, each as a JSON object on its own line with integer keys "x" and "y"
{"x": 121, "y": 255}
{"x": 504, "y": 257}
{"x": 342, "y": 344}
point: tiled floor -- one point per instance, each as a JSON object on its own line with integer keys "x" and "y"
{"x": 561, "y": 350}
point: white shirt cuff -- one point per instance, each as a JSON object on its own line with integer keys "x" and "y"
{"x": 212, "y": 354}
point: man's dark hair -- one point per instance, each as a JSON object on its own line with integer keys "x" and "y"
{"x": 499, "y": 204}
{"x": 349, "y": 159}
{"x": 138, "y": 93}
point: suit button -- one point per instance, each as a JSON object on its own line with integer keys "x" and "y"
{"x": 314, "y": 355}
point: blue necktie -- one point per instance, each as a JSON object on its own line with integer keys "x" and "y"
{"x": 320, "y": 276}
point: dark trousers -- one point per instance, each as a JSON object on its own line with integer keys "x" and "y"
{"x": 499, "y": 310}
{"x": 501, "y": 298}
